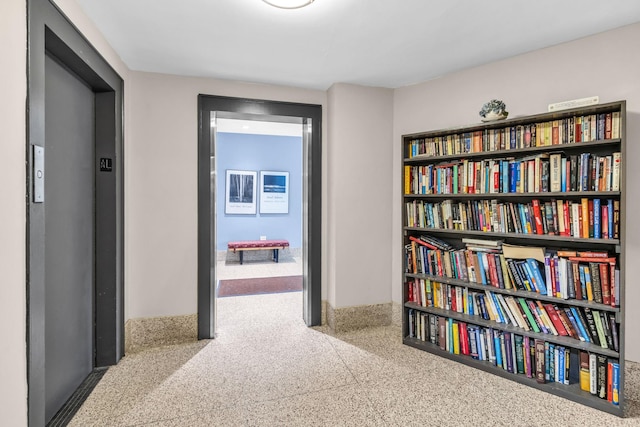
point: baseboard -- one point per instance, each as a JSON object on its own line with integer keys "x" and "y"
{"x": 396, "y": 314}
{"x": 141, "y": 334}
{"x": 364, "y": 316}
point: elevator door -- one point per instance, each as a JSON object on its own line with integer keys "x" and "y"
{"x": 69, "y": 234}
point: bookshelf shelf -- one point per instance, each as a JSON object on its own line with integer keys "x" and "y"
{"x": 523, "y": 196}
{"x": 475, "y": 320}
{"x": 422, "y": 158}
{"x": 518, "y": 293}
{"x": 571, "y": 392}
{"x": 520, "y": 236}
{"x": 513, "y": 164}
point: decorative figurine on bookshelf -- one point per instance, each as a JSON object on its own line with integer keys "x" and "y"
{"x": 493, "y": 110}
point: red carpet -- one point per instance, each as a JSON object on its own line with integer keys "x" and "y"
{"x": 261, "y": 285}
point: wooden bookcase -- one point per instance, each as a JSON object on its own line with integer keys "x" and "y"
{"x": 453, "y": 191}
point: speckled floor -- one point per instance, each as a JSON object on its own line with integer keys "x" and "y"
{"x": 266, "y": 368}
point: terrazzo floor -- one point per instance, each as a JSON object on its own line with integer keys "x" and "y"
{"x": 266, "y": 368}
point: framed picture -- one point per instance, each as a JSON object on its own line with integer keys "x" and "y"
{"x": 240, "y": 193}
{"x": 274, "y": 192}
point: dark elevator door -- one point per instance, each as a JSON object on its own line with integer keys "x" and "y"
{"x": 69, "y": 234}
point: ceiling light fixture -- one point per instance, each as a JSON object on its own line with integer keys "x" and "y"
{"x": 289, "y": 4}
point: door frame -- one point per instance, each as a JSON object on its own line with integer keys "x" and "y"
{"x": 50, "y": 32}
{"x": 312, "y": 201}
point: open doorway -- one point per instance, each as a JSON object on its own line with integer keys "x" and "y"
{"x": 258, "y": 215}
{"x": 309, "y": 119}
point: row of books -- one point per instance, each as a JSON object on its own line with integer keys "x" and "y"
{"x": 572, "y": 130}
{"x": 546, "y": 362}
{"x": 565, "y": 274}
{"x": 584, "y": 324}
{"x": 586, "y": 218}
{"x": 540, "y": 173}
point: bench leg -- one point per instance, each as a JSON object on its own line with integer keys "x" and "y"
{"x": 275, "y": 254}
{"x": 241, "y": 253}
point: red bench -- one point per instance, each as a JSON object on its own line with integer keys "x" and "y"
{"x": 256, "y": 245}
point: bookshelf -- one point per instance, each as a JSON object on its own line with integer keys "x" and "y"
{"x": 513, "y": 250}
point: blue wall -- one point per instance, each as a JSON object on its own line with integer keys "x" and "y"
{"x": 260, "y": 153}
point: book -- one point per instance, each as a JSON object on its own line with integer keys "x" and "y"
{"x": 601, "y": 366}
{"x": 591, "y": 324}
{"x": 584, "y": 371}
{"x": 593, "y": 374}
{"x": 540, "y": 361}
{"x": 599, "y": 328}
{"x": 615, "y": 386}
{"x": 594, "y": 270}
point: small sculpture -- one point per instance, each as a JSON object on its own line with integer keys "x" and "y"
{"x": 493, "y": 110}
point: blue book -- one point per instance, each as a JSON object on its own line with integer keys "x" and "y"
{"x": 504, "y": 167}
{"x": 483, "y": 277}
{"x": 530, "y": 277}
{"x": 498, "y": 347}
{"x": 563, "y": 175}
{"x": 501, "y": 315}
{"x": 596, "y": 219}
{"x": 507, "y": 348}
{"x": 610, "y": 218}
{"x": 523, "y": 219}
{"x": 513, "y": 176}
{"x": 583, "y": 282}
{"x": 470, "y": 304}
{"x": 581, "y": 327}
{"x": 479, "y": 343}
{"x": 574, "y": 322}
{"x": 539, "y": 281}
{"x": 547, "y": 362}
{"x": 552, "y": 362}
{"x": 561, "y": 364}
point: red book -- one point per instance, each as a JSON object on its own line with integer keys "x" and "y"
{"x": 604, "y": 223}
{"x": 493, "y": 274}
{"x": 442, "y": 332}
{"x": 612, "y": 284}
{"x": 537, "y": 215}
{"x": 454, "y": 300}
{"x": 605, "y": 283}
{"x": 557, "y": 323}
{"x": 422, "y": 242}
{"x": 552, "y": 267}
{"x": 607, "y": 126}
{"x": 577, "y": 285}
{"x": 567, "y": 219}
{"x": 566, "y": 323}
{"x": 464, "y": 338}
{"x": 610, "y": 381}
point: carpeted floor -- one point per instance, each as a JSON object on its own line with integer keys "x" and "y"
{"x": 260, "y": 285}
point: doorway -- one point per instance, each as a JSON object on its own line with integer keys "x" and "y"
{"x": 310, "y": 118}
{"x": 75, "y": 239}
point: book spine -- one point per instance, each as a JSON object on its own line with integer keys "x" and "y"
{"x": 540, "y": 366}
{"x": 593, "y": 374}
{"x": 615, "y": 398}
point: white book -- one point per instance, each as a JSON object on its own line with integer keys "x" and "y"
{"x": 575, "y": 218}
{"x": 615, "y": 125}
{"x": 555, "y": 165}
{"x": 615, "y": 180}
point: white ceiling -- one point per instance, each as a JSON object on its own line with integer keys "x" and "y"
{"x": 387, "y": 43}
